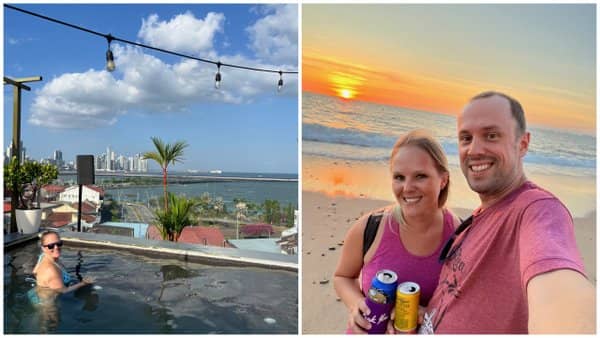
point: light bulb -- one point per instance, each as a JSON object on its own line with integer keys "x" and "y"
{"x": 218, "y": 80}
{"x": 218, "y": 76}
{"x": 280, "y": 83}
{"x": 110, "y": 61}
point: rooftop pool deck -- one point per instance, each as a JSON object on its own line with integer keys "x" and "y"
{"x": 152, "y": 287}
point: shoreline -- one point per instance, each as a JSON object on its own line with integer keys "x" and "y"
{"x": 336, "y": 177}
{"x": 326, "y": 217}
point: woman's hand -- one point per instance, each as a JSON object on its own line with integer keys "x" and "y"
{"x": 390, "y": 327}
{"x": 85, "y": 281}
{"x": 356, "y": 321}
{"x": 88, "y": 280}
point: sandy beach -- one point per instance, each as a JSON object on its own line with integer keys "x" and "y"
{"x": 329, "y": 213}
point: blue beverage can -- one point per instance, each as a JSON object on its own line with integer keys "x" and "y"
{"x": 380, "y": 300}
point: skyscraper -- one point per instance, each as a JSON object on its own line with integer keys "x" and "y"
{"x": 58, "y": 158}
{"x": 108, "y": 159}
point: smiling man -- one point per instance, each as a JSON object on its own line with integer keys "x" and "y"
{"x": 514, "y": 266}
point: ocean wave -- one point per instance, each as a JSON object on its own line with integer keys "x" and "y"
{"x": 348, "y": 157}
{"x": 345, "y": 152}
{"x": 354, "y": 137}
{"x": 321, "y": 133}
{"x": 352, "y": 144}
{"x": 561, "y": 161}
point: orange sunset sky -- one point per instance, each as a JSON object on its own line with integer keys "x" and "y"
{"x": 435, "y": 57}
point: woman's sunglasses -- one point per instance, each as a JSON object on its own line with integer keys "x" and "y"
{"x": 448, "y": 251}
{"x": 51, "y": 245}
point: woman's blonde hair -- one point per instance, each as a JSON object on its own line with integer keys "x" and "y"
{"x": 423, "y": 140}
{"x": 46, "y": 233}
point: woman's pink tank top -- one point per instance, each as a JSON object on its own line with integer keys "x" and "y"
{"x": 391, "y": 254}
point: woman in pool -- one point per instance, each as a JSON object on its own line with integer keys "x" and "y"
{"x": 49, "y": 273}
{"x": 52, "y": 280}
{"x": 411, "y": 233}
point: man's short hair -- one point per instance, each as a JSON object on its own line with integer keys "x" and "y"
{"x": 515, "y": 108}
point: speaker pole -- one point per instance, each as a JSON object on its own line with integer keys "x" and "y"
{"x": 79, "y": 209}
{"x": 85, "y": 176}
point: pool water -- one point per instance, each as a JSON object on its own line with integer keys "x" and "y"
{"x": 137, "y": 294}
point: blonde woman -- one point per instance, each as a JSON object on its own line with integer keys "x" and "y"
{"x": 411, "y": 233}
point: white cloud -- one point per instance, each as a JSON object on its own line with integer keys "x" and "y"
{"x": 274, "y": 38}
{"x": 183, "y": 33}
{"x": 144, "y": 83}
{"x": 80, "y": 100}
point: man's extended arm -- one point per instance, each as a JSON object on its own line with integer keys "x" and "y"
{"x": 561, "y": 301}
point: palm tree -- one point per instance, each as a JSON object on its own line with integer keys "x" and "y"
{"x": 172, "y": 221}
{"x": 164, "y": 155}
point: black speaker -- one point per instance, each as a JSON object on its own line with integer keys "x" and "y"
{"x": 85, "y": 169}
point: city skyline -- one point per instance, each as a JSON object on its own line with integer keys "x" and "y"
{"x": 79, "y": 107}
{"x": 118, "y": 161}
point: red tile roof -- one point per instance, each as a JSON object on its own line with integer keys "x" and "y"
{"x": 87, "y": 207}
{"x": 59, "y": 224}
{"x": 202, "y": 235}
{"x": 59, "y": 219}
{"x": 96, "y": 188}
{"x": 153, "y": 233}
{"x": 256, "y": 230}
{"x": 51, "y": 188}
{"x": 194, "y": 235}
{"x": 88, "y": 218}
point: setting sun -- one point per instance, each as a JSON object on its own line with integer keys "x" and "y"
{"x": 346, "y": 93}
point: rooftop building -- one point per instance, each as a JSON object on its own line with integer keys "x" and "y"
{"x": 195, "y": 235}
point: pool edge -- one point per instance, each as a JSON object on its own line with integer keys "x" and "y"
{"x": 188, "y": 252}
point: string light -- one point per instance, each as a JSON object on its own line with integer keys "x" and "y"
{"x": 218, "y": 76}
{"x": 110, "y": 65}
{"x": 110, "y": 60}
{"x": 280, "y": 83}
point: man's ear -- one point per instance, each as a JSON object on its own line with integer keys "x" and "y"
{"x": 524, "y": 143}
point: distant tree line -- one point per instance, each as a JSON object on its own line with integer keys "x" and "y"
{"x": 270, "y": 211}
{"x": 206, "y": 206}
{"x": 273, "y": 213}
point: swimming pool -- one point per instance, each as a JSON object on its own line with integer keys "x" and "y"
{"x": 138, "y": 294}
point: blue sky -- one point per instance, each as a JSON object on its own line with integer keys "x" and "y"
{"x": 80, "y": 108}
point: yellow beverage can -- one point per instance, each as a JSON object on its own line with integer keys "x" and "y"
{"x": 407, "y": 307}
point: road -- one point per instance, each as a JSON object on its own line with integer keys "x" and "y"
{"x": 137, "y": 213}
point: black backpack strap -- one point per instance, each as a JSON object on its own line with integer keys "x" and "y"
{"x": 371, "y": 231}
